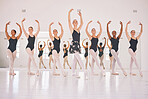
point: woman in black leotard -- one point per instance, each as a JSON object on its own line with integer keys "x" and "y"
{"x": 101, "y": 53}
{"x": 114, "y": 51}
{"x": 86, "y": 52}
{"x": 56, "y": 49}
{"x": 75, "y": 48}
{"x": 93, "y": 48}
{"x": 65, "y": 50}
{"x": 11, "y": 51}
{"x": 30, "y": 46}
{"x": 40, "y": 48}
{"x": 110, "y": 55}
{"x": 133, "y": 47}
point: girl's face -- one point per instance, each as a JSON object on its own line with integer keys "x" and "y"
{"x": 114, "y": 33}
{"x": 13, "y": 32}
{"x": 75, "y": 22}
{"x": 133, "y": 33}
{"x": 55, "y": 32}
{"x": 30, "y": 29}
{"x": 93, "y": 31}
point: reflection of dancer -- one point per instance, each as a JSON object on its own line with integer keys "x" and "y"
{"x": 101, "y": 53}
{"x": 56, "y": 42}
{"x": 93, "y": 47}
{"x": 40, "y": 48}
{"x": 65, "y": 49}
{"x": 11, "y": 51}
{"x": 30, "y": 46}
{"x": 110, "y": 55}
{"x": 133, "y": 47}
{"x": 114, "y": 51}
{"x": 86, "y": 52}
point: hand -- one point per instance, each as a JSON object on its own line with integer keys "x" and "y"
{"x": 71, "y": 10}
{"x": 90, "y": 22}
{"x": 128, "y": 22}
{"x": 39, "y": 41}
{"x": 79, "y": 13}
{"x": 37, "y": 21}
{"x": 98, "y": 22}
{"x": 8, "y": 23}
{"x": 51, "y": 23}
{"x": 59, "y": 23}
{"x": 17, "y": 24}
{"x": 109, "y": 22}
{"x": 121, "y": 23}
{"x": 23, "y": 20}
{"x": 140, "y": 23}
{"x": 104, "y": 38}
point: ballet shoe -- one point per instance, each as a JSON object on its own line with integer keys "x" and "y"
{"x": 64, "y": 74}
{"x": 115, "y": 73}
{"x": 76, "y": 75}
{"x": 56, "y": 74}
{"x": 69, "y": 67}
{"x": 132, "y": 74}
{"x": 45, "y": 67}
{"x": 125, "y": 74}
{"x": 37, "y": 73}
{"x": 141, "y": 74}
{"x": 30, "y": 73}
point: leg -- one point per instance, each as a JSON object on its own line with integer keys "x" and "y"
{"x": 74, "y": 65}
{"x": 64, "y": 62}
{"x": 14, "y": 56}
{"x": 86, "y": 63}
{"x": 101, "y": 61}
{"x": 67, "y": 62}
{"x": 40, "y": 62}
{"x": 111, "y": 61}
{"x": 131, "y": 65}
{"x": 50, "y": 59}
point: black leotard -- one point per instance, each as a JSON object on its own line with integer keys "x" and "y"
{"x": 50, "y": 51}
{"x": 12, "y": 44}
{"x": 115, "y": 43}
{"x": 65, "y": 54}
{"x": 94, "y": 42}
{"x": 31, "y": 41}
{"x": 110, "y": 55}
{"x": 86, "y": 52}
{"x": 40, "y": 53}
{"x": 56, "y": 44}
{"x": 101, "y": 52}
{"x": 133, "y": 44}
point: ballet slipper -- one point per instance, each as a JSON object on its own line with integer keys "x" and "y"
{"x": 64, "y": 74}
{"x": 69, "y": 67}
{"x": 125, "y": 74}
{"x": 30, "y": 73}
{"x": 141, "y": 74}
{"x": 132, "y": 74}
{"x": 56, "y": 67}
{"x": 37, "y": 73}
{"x": 56, "y": 74}
{"x": 115, "y": 73}
{"x": 45, "y": 67}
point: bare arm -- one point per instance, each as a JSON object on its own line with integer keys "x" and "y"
{"x": 81, "y": 21}
{"x": 89, "y": 36}
{"x": 83, "y": 43}
{"x": 69, "y": 21}
{"x": 39, "y": 44}
{"x": 121, "y": 30}
{"x": 61, "y": 35}
{"x": 6, "y": 32}
{"x": 140, "y": 31}
{"x": 26, "y": 34}
{"x": 50, "y": 34}
{"x": 108, "y": 33}
{"x": 68, "y": 45}
{"x": 100, "y": 30}
{"x": 108, "y": 45}
{"x": 44, "y": 44}
{"x": 105, "y": 42}
{"x": 38, "y": 28}
{"x": 20, "y": 31}
{"x": 127, "y": 35}
{"x": 47, "y": 42}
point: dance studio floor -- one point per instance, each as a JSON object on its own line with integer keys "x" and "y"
{"x": 47, "y": 86}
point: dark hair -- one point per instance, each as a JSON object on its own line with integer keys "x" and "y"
{"x": 101, "y": 44}
{"x": 50, "y": 43}
{"x": 132, "y": 30}
{"x": 31, "y": 27}
{"x": 86, "y": 43}
{"x": 64, "y": 45}
{"x": 14, "y": 30}
{"x": 40, "y": 46}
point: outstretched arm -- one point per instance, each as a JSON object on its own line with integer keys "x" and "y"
{"x": 50, "y": 34}
{"x": 61, "y": 35}
{"x": 20, "y": 31}
{"x": 100, "y": 30}
{"x": 38, "y": 28}
{"x": 69, "y": 21}
{"x": 6, "y": 32}
{"x": 47, "y": 42}
{"x": 121, "y": 30}
{"x": 68, "y": 45}
{"x": 108, "y": 45}
{"x": 127, "y": 35}
{"x": 108, "y": 33}
{"x": 89, "y": 36}
{"x": 140, "y": 31}
{"x": 83, "y": 43}
{"x": 39, "y": 44}
{"x": 44, "y": 44}
{"x": 105, "y": 42}
{"x": 81, "y": 21}
{"x": 26, "y": 34}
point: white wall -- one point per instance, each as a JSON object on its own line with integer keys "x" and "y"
{"x": 56, "y": 10}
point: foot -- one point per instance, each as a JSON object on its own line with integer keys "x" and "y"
{"x": 64, "y": 74}
{"x": 141, "y": 74}
{"x": 76, "y": 75}
{"x": 37, "y": 73}
{"x": 132, "y": 74}
{"x": 103, "y": 67}
{"x": 30, "y": 73}
{"x": 69, "y": 67}
{"x": 12, "y": 74}
{"x": 94, "y": 74}
{"x": 125, "y": 74}
{"x": 45, "y": 67}
{"x": 56, "y": 74}
{"x": 115, "y": 73}
{"x": 56, "y": 67}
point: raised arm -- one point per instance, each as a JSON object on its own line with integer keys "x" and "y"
{"x": 39, "y": 44}
{"x": 68, "y": 45}
{"x": 121, "y": 30}
{"x": 108, "y": 33}
{"x": 6, "y": 32}
{"x": 26, "y": 34}
{"x": 69, "y": 21}
{"x": 44, "y": 44}
{"x": 105, "y": 42}
{"x": 81, "y": 20}
{"x": 50, "y": 34}
{"x": 20, "y": 31}
{"x": 48, "y": 43}
{"x": 89, "y": 36}
{"x": 61, "y": 35}
{"x": 83, "y": 43}
{"x": 100, "y": 30}
{"x": 108, "y": 45}
{"x": 38, "y": 28}
{"x": 140, "y": 31}
{"x": 127, "y": 34}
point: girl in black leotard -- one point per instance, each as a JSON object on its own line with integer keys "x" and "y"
{"x": 93, "y": 48}
{"x": 114, "y": 51}
{"x": 30, "y": 46}
{"x": 110, "y": 55}
{"x": 40, "y": 48}
{"x": 11, "y": 51}
{"x": 75, "y": 31}
{"x": 101, "y": 53}
{"x": 56, "y": 49}
{"x": 86, "y": 52}
{"x": 65, "y": 50}
{"x": 133, "y": 47}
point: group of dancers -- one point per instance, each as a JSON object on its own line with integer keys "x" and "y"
{"x": 74, "y": 47}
